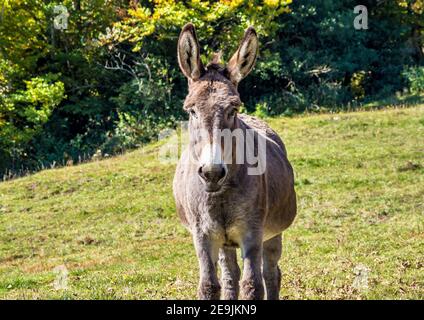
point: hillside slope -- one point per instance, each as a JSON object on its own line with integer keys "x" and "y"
{"x": 112, "y": 223}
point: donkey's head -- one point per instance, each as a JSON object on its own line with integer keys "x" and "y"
{"x": 213, "y": 101}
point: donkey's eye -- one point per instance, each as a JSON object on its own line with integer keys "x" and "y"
{"x": 232, "y": 113}
{"x": 193, "y": 113}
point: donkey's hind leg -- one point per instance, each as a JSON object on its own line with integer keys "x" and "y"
{"x": 230, "y": 273}
{"x": 271, "y": 272}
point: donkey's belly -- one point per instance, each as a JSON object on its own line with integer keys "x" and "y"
{"x": 233, "y": 236}
{"x": 281, "y": 216}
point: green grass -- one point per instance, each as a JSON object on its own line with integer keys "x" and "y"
{"x": 112, "y": 223}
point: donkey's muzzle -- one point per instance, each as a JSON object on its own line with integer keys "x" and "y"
{"x": 213, "y": 175}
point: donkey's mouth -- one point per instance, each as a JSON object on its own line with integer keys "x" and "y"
{"x": 212, "y": 188}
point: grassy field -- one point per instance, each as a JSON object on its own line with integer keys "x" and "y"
{"x": 112, "y": 223}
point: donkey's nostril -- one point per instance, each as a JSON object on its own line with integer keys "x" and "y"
{"x": 223, "y": 173}
{"x": 200, "y": 172}
{"x": 204, "y": 173}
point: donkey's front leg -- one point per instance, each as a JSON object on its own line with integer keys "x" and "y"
{"x": 252, "y": 287}
{"x": 230, "y": 273}
{"x": 207, "y": 254}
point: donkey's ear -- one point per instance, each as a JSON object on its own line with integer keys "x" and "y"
{"x": 189, "y": 53}
{"x": 242, "y": 62}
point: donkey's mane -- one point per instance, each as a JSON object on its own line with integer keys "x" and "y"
{"x": 215, "y": 63}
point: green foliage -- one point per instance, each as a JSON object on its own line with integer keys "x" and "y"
{"x": 37, "y": 126}
{"x": 415, "y": 78}
{"x": 324, "y": 62}
{"x": 23, "y": 113}
{"x": 145, "y": 104}
{"x": 261, "y": 110}
{"x": 121, "y": 81}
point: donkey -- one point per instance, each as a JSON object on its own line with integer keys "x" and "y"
{"x": 221, "y": 204}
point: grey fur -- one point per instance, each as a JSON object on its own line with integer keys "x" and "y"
{"x": 246, "y": 211}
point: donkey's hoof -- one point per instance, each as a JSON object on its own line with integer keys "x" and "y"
{"x": 209, "y": 291}
{"x": 251, "y": 290}
{"x": 229, "y": 294}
